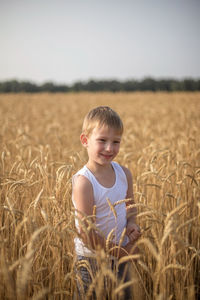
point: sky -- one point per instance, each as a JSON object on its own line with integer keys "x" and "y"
{"x": 67, "y": 41}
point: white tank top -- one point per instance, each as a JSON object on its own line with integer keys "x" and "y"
{"x": 106, "y": 220}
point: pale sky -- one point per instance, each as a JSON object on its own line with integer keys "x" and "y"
{"x": 65, "y": 41}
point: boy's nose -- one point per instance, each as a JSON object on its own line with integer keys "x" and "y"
{"x": 109, "y": 147}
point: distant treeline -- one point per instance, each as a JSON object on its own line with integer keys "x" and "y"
{"x": 147, "y": 84}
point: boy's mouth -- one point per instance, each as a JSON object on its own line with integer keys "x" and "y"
{"x": 107, "y": 156}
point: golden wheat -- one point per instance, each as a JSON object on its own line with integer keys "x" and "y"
{"x": 40, "y": 151}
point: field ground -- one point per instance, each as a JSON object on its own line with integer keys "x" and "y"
{"x": 40, "y": 151}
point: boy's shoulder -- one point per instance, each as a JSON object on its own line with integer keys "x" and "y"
{"x": 82, "y": 174}
{"x": 126, "y": 171}
{"x": 81, "y": 183}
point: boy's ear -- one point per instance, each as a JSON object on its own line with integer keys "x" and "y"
{"x": 84, "y": 140}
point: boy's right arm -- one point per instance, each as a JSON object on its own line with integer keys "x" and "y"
{"x": 84, "y": 199}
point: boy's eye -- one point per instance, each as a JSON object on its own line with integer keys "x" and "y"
{"x": 102, "y": 140}
{"x": 116, "y": 142}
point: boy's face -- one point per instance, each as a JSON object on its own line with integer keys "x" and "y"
{"x": 102, "y": 144}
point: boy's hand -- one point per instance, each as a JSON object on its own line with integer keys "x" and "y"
{"x": 133, "y": 232}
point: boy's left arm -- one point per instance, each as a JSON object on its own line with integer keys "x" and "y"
{"x": 132, "y": 229}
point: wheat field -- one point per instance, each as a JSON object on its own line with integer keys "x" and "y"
{"x": 40, "y": 151}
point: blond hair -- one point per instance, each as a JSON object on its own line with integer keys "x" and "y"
{"x": 102, "y": 116}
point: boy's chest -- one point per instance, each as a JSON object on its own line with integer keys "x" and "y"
{"x": 105, "y": 201}
{"x": 106, "y": 180}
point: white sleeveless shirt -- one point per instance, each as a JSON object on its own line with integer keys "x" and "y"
{"x": 106, "y": 220}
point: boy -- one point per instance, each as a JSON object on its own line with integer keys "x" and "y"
{"x": 101, "y": 183}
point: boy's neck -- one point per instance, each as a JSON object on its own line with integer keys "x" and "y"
{"x": 104, "y": 174}
{"x": 97, "y": 168}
